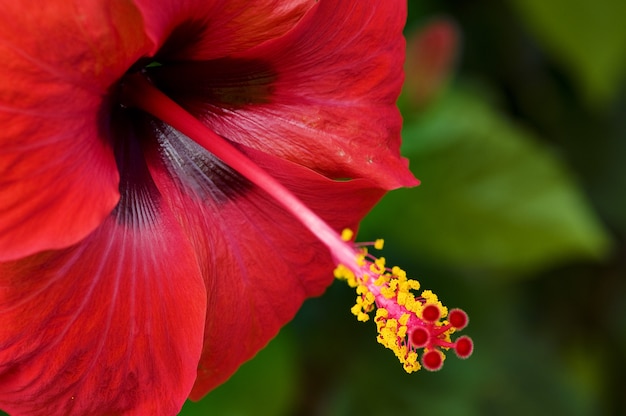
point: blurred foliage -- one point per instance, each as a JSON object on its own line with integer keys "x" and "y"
{"x": 588, "y": 37}
{"x": 484, "y": 181}
{"x": 519, "y": 138}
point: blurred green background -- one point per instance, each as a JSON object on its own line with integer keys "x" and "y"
{"x": 515, "y": 121}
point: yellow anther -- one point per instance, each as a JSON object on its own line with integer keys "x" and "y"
{"x": 347, "y": 234}
{"x": 378, "y": 244}
{"x": 412, "y": 305}
{"x": 381, "y": 280}
{"x": 414, "y": 284}
{"x": 402, "y": 298}
{"x": 356, "y": 309}
{"x": 401, "y": 349}
{"x": 378, "y": 266}
{"x": 392, "y": 324}
{"x": 402, "y": 331}
{"x": 387, "y": 292}
{"x": 429, "y": 296}
{"x": 398, "y": 272}
{"x": 410, "y": 363}
{"x": 338, "y": 272}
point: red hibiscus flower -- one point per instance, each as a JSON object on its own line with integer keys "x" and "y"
{"x": 145, "y": 251}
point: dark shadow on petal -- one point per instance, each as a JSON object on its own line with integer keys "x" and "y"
{"x": 224, "y": 83}
{"x": 186, "y": 34}
{"x": 136, "y": 138}
{"x": 139, "y": 196}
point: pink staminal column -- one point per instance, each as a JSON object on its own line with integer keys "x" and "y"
{"x": 406, "y": 323}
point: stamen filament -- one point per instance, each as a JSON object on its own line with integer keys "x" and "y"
{"x": 405, "y": 322}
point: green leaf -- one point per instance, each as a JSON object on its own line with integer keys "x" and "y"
{"x": 264, "y": 386}
{"x": 491, "y": 196}
{"x": 589, "y": 37}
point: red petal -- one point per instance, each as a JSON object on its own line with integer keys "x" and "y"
{"x": 58, "y": 177}
{"x": 260, "y": 263}
{"x": 202, "y": 30}
{"x": 323, "y": 95}
{"x": 112, "y": 325}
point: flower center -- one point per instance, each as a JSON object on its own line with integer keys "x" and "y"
{"x": 405, "y": 323}
{"x": 138, "y": 92}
